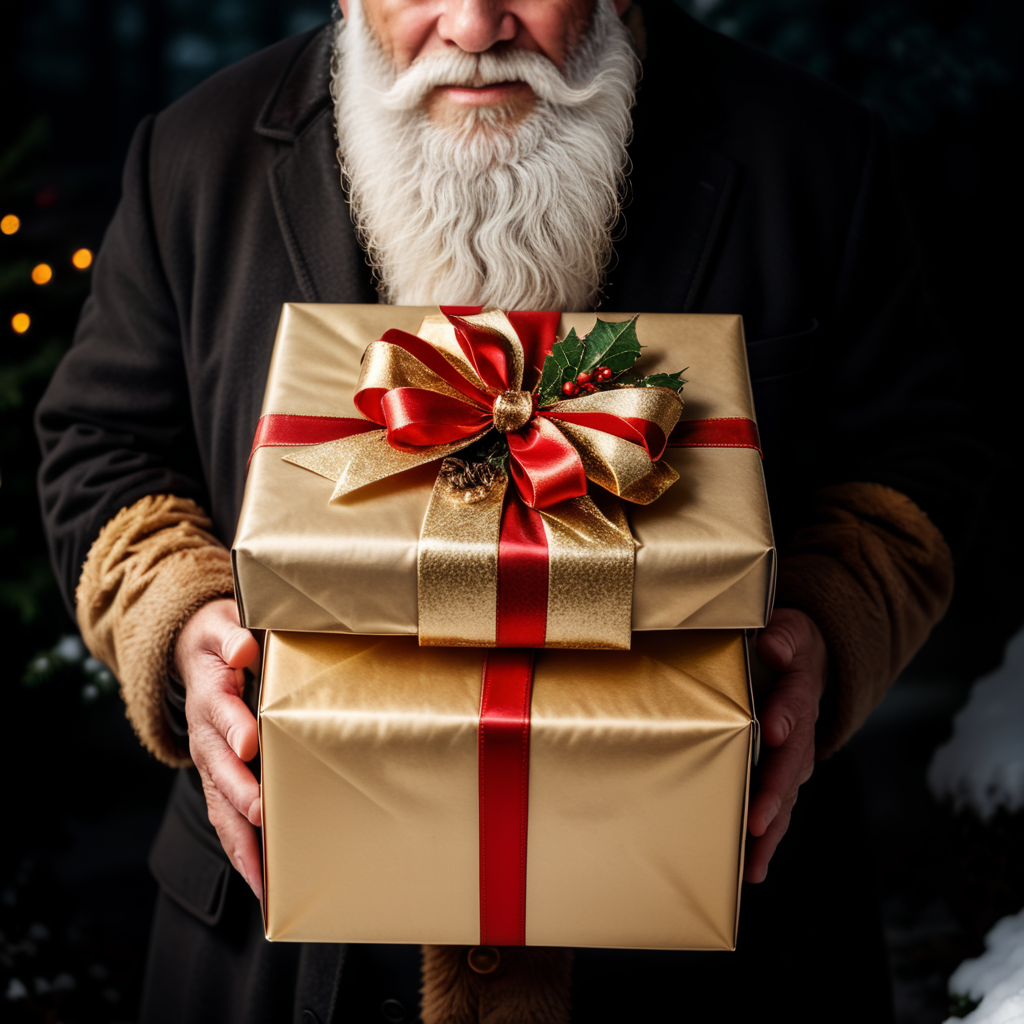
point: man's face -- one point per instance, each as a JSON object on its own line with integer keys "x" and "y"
{"x": 411, "y": 29}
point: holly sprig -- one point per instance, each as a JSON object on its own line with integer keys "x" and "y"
{"x": 598, "y": 361}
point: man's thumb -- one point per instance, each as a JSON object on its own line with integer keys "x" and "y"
{"x": 776, "y": 648}
{"x": 239, "y": 648}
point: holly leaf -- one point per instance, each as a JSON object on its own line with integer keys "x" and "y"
{"x": 610, "y": 344}
{"x": 563, "y": 364}
{"x": 672, "y": 381}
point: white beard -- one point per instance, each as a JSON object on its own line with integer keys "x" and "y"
{"x": 487, "y": 211}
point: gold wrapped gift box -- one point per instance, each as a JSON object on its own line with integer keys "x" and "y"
{"x": 638, "y": 774}
{"x": 704, "y": 549}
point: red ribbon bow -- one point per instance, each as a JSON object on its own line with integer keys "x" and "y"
{"x": 545, "y": 466}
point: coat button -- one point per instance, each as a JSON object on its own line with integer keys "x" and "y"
{"x": 392, "y": 1011}
{"x": 484, "y": 959}
{"x": 309, "y": 1017}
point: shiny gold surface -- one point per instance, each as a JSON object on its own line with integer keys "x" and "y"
{"x": 351, "y": 565}
{"x": 458, "y": 568}
{"x": 638, "y": 775}
{"x": 590, "y": 574}
{"x": 512, "y": 410}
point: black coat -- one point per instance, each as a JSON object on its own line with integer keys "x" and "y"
{"x": 755, "y": 190}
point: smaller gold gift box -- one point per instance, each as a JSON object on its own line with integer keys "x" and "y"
{"x": 633, "y": 820}
{"x": 310, "y": 555}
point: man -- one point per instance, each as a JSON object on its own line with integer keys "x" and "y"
{"x": 484, "y": 145}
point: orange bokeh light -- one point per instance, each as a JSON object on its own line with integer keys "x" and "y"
{"x": 42, "y": 274}
{"x": 82, "y": 259}
{"x": 20, "y": 322}
{"x": 9, "y": 224}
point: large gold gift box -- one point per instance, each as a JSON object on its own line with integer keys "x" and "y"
{"x": 704, "y": 549}
{"x": 639, "y": 766}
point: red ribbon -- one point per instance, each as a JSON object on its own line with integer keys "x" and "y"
{"x": 522, "y": 613}
{"x": 504, "y": 787}
{"x": 545, "y": 468}
{"x": 283, "y": 430}
{"x": 718, "y": 432}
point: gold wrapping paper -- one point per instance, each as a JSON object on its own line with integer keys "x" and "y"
{"x": 639, "y": 770}
{"x": 704, "y": 553}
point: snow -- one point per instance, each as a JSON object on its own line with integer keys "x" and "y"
{"x": 996, "y": 977}
{"x": 16, "y": 989}
{"x": 70, "y": 648}
{"x": 982, "y": 765}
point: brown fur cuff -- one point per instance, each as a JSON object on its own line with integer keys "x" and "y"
{"x": 875, "y": 575}
{"x": 152, "y": 566}
{"x": 530, "y": 986}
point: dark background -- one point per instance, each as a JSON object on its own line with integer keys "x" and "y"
{"x": 81, "y": 798}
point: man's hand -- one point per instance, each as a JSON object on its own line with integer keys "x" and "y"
{"x": 793, "y": 646}
{"x": 211, "y": 652}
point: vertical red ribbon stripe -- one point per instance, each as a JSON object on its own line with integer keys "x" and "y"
{"x": 522, "y": 612}
{"x": 504, "y": 781}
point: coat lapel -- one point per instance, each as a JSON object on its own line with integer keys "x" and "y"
{"x": 670, "y": 233}
{"x": 305, "y": 182}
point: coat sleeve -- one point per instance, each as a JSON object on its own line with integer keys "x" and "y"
{"x": 115, "y": 423}
{"x": 875, "y": 576}
{"x": 151, "y": 568}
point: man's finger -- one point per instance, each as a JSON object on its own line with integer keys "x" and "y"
{"x": 784, "y": 771}
{"x": 761, "y": 850}
{"x": 777, "y": 647}
{"x": 791, "y": 641}
{"x": 230, "y": 716}
{"x": 221, "y": 767}
{"x": 238, "y": 838}
{"x": 792, "y": 705}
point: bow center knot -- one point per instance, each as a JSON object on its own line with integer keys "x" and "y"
{"x": 512, "y": 410}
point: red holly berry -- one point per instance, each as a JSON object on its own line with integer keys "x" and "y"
{"x": 589, "y": 388}
{"x": 583, "y": 378}
{"x": 603, "y": 373}
{"x": 569, "y": 388}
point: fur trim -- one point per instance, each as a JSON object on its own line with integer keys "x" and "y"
{"x": 875, "y": 574}
{"x": 531, "y": 986}
{"x": 152, "y": 566}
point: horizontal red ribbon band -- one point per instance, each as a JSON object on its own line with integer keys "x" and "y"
{"x": 504, "y": 789}
{"x": 284, "y": 430}
{"x": 718, "y": 432}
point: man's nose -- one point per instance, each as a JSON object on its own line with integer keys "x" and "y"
{"x": 476, "y": 25}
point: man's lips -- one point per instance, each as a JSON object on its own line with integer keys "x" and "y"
{"x": 495, "y": 94}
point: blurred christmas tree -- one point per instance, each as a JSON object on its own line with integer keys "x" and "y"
{"x": 64, "y": 755}
{"x": 44, "y": 278}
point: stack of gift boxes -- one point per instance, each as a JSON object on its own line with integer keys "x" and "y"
{"x": 493, "y": 711}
